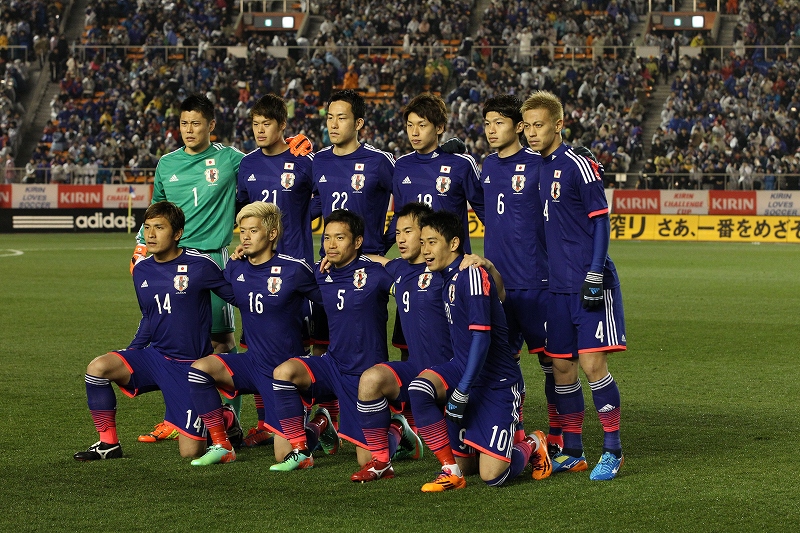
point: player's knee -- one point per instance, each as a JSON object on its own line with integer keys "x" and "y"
{"x": 203, "y": 364}
{"x": 497, "y": 480}
{"x": 103, "y": 366}
{"x": 289, "y": 371}
{"x": 371, "y": 383}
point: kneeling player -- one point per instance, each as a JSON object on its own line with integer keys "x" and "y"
{"x": 173, "y": 288}
{"x": 270, "y": 291}
{"x": 482, "y": 384}
{"x": 355, "y": 292}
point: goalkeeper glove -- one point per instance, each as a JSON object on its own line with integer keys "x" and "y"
{"x": 585, "y": 152}
{"x": 592, "y": 291}
{"x": 139, "y": 253}
{"x": 299, "y": 145}
{"x": 456, "y": 406}
{"x": 454, "y": 146}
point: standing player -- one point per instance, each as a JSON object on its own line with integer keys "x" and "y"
{"x": 270, "y": 289}
{"x": 200, "y": 178}
{"x": 275, "y": 173}
{"x": 482, "y": 383}
{"x": 515, "y": 241}
{"x": 355, "y": 292}
{"x": 585, "y": 310}
{"x": 441, "y": 180}
{"x": 172, "y": 287}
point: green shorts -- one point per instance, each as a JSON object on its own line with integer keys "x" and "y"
{"x": 222, "y": 320}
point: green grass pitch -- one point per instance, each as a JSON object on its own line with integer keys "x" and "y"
{"x": 710, "y": 413}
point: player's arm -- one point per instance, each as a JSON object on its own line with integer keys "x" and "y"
{"x": 386, "y": 177}
{"x": 307, "y": 285}
{"x": 378, "y": 258}
{"x": 219, "y": 285}
{"x": 390, "y": 238}
{"x": 143, "y": 334}
{"x": 474, "y": 190}
{"x": 592, "y": 289}
{"x": 477, "y": 260}
{"x": 478, "y": 351}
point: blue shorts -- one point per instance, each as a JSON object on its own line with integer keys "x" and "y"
{"x": 251, "y": 377}
{"x": 572, "y": 328}
{"x": 491, "y": 419}
{"x": 319, "y": 325}
{"x": 328, "y": 383}
{"x": 151, "y": 370}
{"x": 404, "y": 372}
{"x": 526, "y": 314}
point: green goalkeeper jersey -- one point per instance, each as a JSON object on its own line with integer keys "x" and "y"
{"x": 204, "y": 186}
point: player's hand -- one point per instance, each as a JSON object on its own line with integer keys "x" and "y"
{"x": 454, "y": 146}
{"x": 324, "y": 265}
{"x": 299, "y": 145}
{"x": 585, "y": 152}
{"x": 456, "y": 406}
{"x": 238, "y": 253}
{"x": 139, "y": 253}
{"x": 475, "y": 260}
{"x": 592, "y": 291}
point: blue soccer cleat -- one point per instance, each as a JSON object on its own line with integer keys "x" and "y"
{"x": 607, "y": 468}
{"x": 567, "y": 463}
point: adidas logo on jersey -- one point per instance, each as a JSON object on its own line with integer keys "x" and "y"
{"x": 407, "y": 181}
{"x": 251, "y": 178}
{"x": 487, "y": 180}
{"x": 607, "y": 408}
{"x": 329, "y": 279}
{"x": 143, "y": 285}
{"x": 322, "y": 179}
{"x": 173, "y": 178}
{"x": 240, "y": 278}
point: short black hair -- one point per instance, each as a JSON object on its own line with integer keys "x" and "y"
{"x": 417, "y": 210}
{"x": 168, "y": 210}
{"x": 200, "y": 103}
{"x": 272, "y": 107}
{"x": 428, "y": 106}
{"x": 446, "y": 224}
{"x": 355, "y": 100}
{"x": 353, "y": 221}
{"x": 507, "y": 105}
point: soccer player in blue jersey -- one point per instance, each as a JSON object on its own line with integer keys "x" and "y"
{"x": 482, "y": 383}
{"x": 585, "y": 310}
{"x": 355, "y": 292}
{"x": 441, "y": 180}
{"x": 384, "y": 387}
{"x": 514, "y": 239}
{"x": 173, "y": 289}
{"x": 274, "y": 172}
{"x": 270, "y": 288}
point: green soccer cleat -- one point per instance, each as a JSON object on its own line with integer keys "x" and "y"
{"x": 607, "y": 468}
{"x": 410, "y": 445}
{"x": 567, "y": 463}
{"x": 215, "y": 454}
{"x": 328, "y": 439}
{"x": 294, "y": 460}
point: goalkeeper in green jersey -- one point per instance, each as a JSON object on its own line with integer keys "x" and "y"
{"x": 200, "y": 178}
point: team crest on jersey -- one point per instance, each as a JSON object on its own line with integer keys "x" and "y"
{"x": 212, "y": 175}
{"x": 181, "y": 282}
{"x": 359, "y": 166}
{"x": 444, "y": 169}
{"x": 359, "y": 278}
{"x": 451, "y": 292}
{"x": 518, "y": 182}
{"x": 357, "y": 181}
{"x": 211, "y": 162}
{"x": 274, "y": 284}
{"x": 519, "y": 168}
{"x": 424, "y": 280}
{"x": 288, "y": 165}
{"x": 443, "y": 184}
{"x": 556, "y": 174}
{"x": 555, "y": 190}
{"x": 287, "y": 180}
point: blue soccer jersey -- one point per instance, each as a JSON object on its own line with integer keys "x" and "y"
{"x": 471, "y": 304}
{"x": 440, "y": 180}
{"x": 355, "y": 299}
{"x": 272, "y": 294}
{"x": 571, "y": 191}
{"x": 176, "y": 303}
{"x": 419, "y": 302}
{"x": 514, "y": 239}
{"x": 286, "y": 181}
{"x": 360, "y": 182}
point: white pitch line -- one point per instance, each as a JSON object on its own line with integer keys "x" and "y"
{"x": 20, "y": 252}
{"x": 13, "y": 253}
